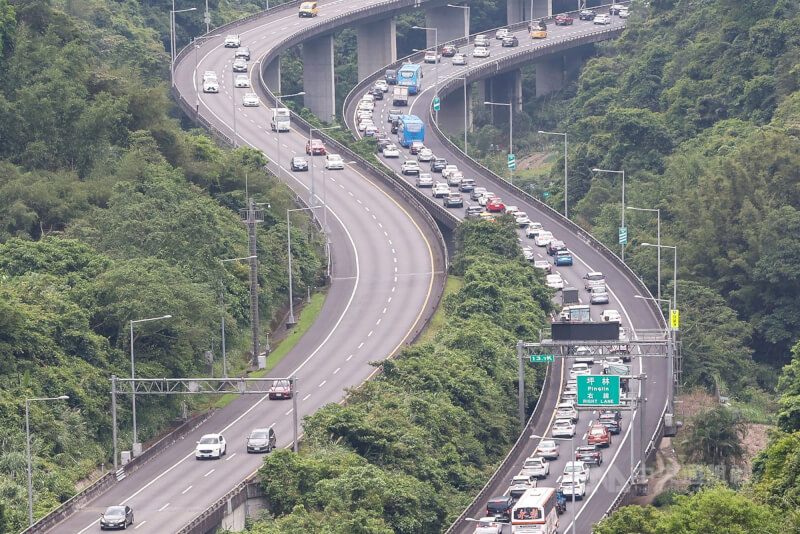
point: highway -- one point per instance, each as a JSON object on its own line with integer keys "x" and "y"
{"x": 386, "y": 278}
{"x": 607, "y": 480}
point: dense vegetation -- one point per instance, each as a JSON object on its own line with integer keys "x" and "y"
{"x": 109, "y": 212}
{"x": 411, "y": 448}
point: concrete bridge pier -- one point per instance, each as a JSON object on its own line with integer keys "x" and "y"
{"x": 552, "y": 74}
{"x": 272, "y": 75}
{"x": 519, "y": 10}
{"x": 504, "y": 87}
{"x": 318, "y": 80}
{"x": 377, "y": 46}
{"x": 452, "y": 23}
{"x": 451, "y": 115}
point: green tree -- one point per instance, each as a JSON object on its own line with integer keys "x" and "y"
{"x": 715, "y": 437}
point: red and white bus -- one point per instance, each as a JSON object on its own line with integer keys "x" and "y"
{"x": 535, "y": 512}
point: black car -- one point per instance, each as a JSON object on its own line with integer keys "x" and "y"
{"x": 467, "y": 185}
{"x": 589, "y": 454}
{"x": 261, "y": 440}
{"x": 511, "y": 40}
{"x": 438, "y": 164}
{"x": 377, "y": 93}
{"x": 449, "y": 50}
{"x": 395, "y": 125}
{"x": 554, "y": 246}
{"x": 116, "y": 517}
{"x": 500, "y": 507}
{"x": 610, "y": 422}
{"x": 472, "y": 211}
{"x": 616, "y": 413}
{"x": 299, "y": 163}
{"x": 383, "y": 143}
{"x": 587, "y": 14}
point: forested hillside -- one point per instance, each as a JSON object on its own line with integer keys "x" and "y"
{"x": 110, "y": 212}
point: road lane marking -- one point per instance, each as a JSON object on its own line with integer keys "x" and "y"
{"x": 230, "y": 457}
{"x": 163, "y": 507}
{"x": 322, "y": 383}
{"x": 187, "y": 489}
{"x": 348, "y": 358}
{"x": 212, "y": 470}
{"x": 140, "y": 524}
{"x": 307, "y": 396}
{"x": 337, "y": 370}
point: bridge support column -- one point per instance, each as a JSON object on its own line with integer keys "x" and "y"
{"x": 318, "y": 80}
{"x": 549, "y": 75}
{"x": 272, "y": 75}
{"x": 451, "y": 116}
{"x": 377, "y": 46}
{"x": 504, "y": 87}
{"x": 516, "y": 11}
{"x": 451, "y": 22}
{"x": 544, "y": 8}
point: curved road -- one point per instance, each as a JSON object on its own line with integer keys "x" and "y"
{"x": 386, "y": 277}
{"x": 637, "y": 314}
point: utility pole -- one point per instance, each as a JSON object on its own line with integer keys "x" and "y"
{"x": 252, "y": 216}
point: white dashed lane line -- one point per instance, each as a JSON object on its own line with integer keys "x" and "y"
{"x": 322, "y": 383}
{"x": 163, "y": 507}
{"x": 208, "y": 473}
{"x": 187, "y": 489}
{"x": 307, "y": 396}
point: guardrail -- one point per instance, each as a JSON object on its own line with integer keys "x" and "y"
{"x": 81, "y": 499}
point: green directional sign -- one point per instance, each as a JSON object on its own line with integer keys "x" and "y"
{"x": 623, "y": 235}
{"x": 542, "y": 358}
{"x": 437, "y": 103}
{"x": 512, "y": 161}
{"x": 598, "y": 390}
{"x": 546, "y": 194}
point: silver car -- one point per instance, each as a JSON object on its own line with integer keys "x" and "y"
{"x": 250, "y": 100}
{"x": 599, "y": 295}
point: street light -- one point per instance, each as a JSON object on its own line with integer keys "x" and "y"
{"x": 291, "y": 321}
{"x": 310, "y": 137}
{"x": 572, "y": 452}
{"x": 468, "y": 19}
{"x": 222, "y": 299}
{"x": 658, "y": 234}
{"x": 510, "y": 134}
{"x": 438, "y": 60}
{"x": 277, "y": 130}
{"x": 466, "y": 152}
{"x": 133, "y": 370}
{"x": 172, "y": 39}
{"x": 565, "y": 154}
{"x": 28, "y": 440}
{"x": 622, "y": 172}
{"x": 674, "y": 271}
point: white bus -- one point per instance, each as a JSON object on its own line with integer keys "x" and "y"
{"x": 535, "y": 512}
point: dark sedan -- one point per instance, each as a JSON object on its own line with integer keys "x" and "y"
{"x": 511, "y": 40}
{"x": 299, "y": 163}
{"x": 116, "y": 517}
{"x": 587, "y": 14}
{"x": 589, "y": 454}
{"x": 610, "y": 422}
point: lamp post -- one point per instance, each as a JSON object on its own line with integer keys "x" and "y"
{"x": 291, "y": 322}
{"x": 622, "y": 172}
{"x": 277, "y": 131}
{"x": 133, "y": 370}
{"x": 172, "y": 39}
{"x": 572, "y": 445}
{"x": 28, "y": 441}
{"x": 566, "y": 214}
{"x": 510, "y": 134}
{"x": 674, "y": 270}
{"x": 310, "y": 138}
{"x": 468, "y": 19}
{"x": 658, "y": 237}
{"x": 222, "y": 300}
{"x": 466, "y": 152}
{"x": 438, "y": 60}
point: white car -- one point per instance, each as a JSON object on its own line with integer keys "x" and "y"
{"x": 548, "y": 448}
{"x": 579, "y": 369}
{"x": 211, "y": 446}
{"x": 391, "y": 151}
{"x": 484, "y": 197}
{"x": 579, "y": 469}
{"x": 543, "y": 238}
{"x": 211, "y": 86}
{"x": 566, "y": 410}
{"x": 544, "y": 265}
{"x": 568, "y": 488}
{"x": 488, "y": 525}
{"x": 454, "y": 178}
{"x": 448, "y": 169}
{"x": 424, "y": 180}
{"x": 502, "y": 33}
{"x": 584, "y": 355}
{"x": 242, "y": 81}
{"x": 382, "y": 85}
{"x": 623, "y": 13}
{"x": 480, "y": 51}
{"x": 511, "y": 210}
{"x": 536, "y": 466}
{"x": 431, "y": 56}
{"x": 240, "y": 65}
{"x": 520, "y": 484}
{"x": 555, "y": 281}
{"x": 362, "y": 126}
{"x": 563, "y": 428}
{"x": 528, "y": 254}
{"x": 250, "y": 100}
{"x": 602, "y": 19}
{"x": 599, "y": 295}
{"x": 209, "y": 74}
{"x": 610, "y": 360}
{"x": 232, "y": 41}
{"x": 426, "y": 154}
{"x": 459, "y": 59}
{"x": 612, "y": 316}
{"x": 409, "y": 166}
{"x": 366, "y": 105}
{"x": 334, "y": 161}
{"x": 522, "y": 219}
{"x": 533, "y": 229}
{"x": 440, "y": 189}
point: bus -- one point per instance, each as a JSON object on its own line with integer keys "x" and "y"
{"x": 536, "y": 512}
{"x": 410, "y": 76}
{"x": 410, "y": 128}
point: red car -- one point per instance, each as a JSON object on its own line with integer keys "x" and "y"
{"x": 599, "y": 435}
{"x": 315, "y": 147}
{"x": 281, "y": 389}
{"x": 563, "y": 20}
{"x": 495, "y": 205}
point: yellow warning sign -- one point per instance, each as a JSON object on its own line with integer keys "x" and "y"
{"x": 674, "y": 318}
